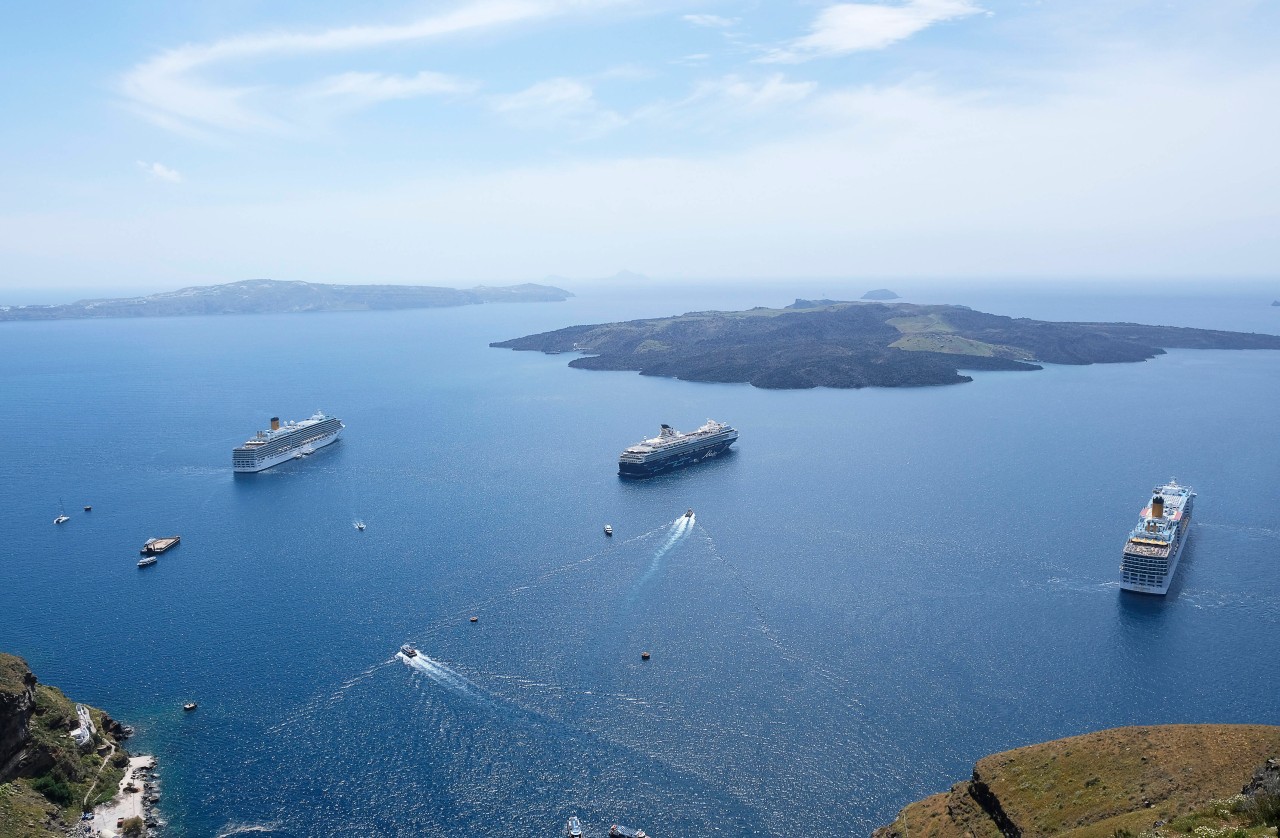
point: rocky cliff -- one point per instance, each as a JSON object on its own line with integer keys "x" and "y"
{"x": 17, "y": 702}
{"x": 45, "y": 776}
{"x": 1167, "y": 780}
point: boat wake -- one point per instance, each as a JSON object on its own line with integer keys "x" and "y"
{"x": 441, "y": 674}
{"x": 242, "y": 828}
{"x": 680, "y": 528}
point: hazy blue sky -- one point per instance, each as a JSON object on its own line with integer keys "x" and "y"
{"x": 153, "y": 145}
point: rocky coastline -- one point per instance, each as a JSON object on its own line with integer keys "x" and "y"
{"x": 61, "y": 761}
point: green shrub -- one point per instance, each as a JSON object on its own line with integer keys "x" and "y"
{"x": 56, "y": 791}
{"x": 1266, "y": 811}
{"x": 132, "y": 826}
{"x": 120, "y": 759}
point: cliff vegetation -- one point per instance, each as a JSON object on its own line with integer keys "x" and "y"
{"x": 1206, "y": 781}
{"x": 46, "y": 779}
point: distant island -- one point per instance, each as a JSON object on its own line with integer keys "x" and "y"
{"x": 856, "y": 344}
{"x": 271, "y": 296}
{"x": 1275, "y": 302}
{"x": 1178, "y": 779}
{"x": 880, "y": 294}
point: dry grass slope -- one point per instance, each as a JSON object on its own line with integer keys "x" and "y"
{"x": 1100, "y": 784}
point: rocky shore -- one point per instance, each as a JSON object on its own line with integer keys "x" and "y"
{"x": 60, "y": 760}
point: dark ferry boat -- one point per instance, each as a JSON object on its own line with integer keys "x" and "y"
{"x": 671, "y": 449}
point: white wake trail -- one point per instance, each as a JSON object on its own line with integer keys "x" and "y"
{"x": 441, "y": 674}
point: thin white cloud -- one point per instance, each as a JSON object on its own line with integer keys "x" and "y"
{"x": 175, "y": 90}
{"x": 558, "y": 103}
{"x": 159, "y": 171}
{"x": 368, "y": 88}
{"x": 768, "y": 93}
{"x": 710, "y": 21}
{"x": 851, "y": 27}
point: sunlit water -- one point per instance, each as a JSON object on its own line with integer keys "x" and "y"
{"x": 878, "y": 587}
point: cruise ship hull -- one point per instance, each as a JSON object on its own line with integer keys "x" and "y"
{"x": 653, "y": 465}
{"x": 286, "y": 454}
{"x": 1137, "y": 573}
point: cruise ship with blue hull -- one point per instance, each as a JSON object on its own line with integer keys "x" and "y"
{"x": 671, "y": 449}
{"x": 289, "y": 441}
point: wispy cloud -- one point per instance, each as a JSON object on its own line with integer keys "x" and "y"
{"x": 369, "y": 88}
{"x": 159, "y": 171}
{"x": 557, "y": 103}
{"x": 754, "y": 95}
{"x": 850, "y": 27}
{"x": 178, "y": 88}
{"x": 710, "y": 21}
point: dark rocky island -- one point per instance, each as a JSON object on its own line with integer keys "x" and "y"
{"x": 841, "y": 344}
{"x": 881, "y": 294}
{"x": 1169, "y": 780}
{"x": 270, "y": 296}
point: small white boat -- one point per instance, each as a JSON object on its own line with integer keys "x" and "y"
{"x": 608, "y": 530}
{"x": 408, "y": 651}
{"x": 148, "y": 560}
{"x": 359, "y": 525}
{"x": 62, "y": 519}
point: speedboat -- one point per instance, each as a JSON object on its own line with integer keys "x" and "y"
{"x": 189, "y": 706}
{"x": 147, "y": 560}
{"x": 689, "y": 514}
{"x": 608, "y": 530}
{"x": 359, "y": 525}
{"x": 573, "y": 829}
{"x": 62, "y": 519}
{"x": 408, "y": 651}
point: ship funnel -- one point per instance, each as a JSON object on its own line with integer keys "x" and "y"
{"x": 275, "y": 423}
{"x": 1157, "y": 506}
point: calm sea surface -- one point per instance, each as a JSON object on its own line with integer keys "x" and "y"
{"x": 879, "y": 586}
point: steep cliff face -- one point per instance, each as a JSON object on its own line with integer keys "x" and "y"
{"x": 1102, "y": 784}
{"x": 17, "y": 703}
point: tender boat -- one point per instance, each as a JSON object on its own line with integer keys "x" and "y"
{"x": 617, "y": 831}
{"x": 148, "y": 560}
{"x": 189, "y": 706}
{"x": 608, "y": 530}
{"x": 573, "y": 829}
{"x": 408, "y": 651}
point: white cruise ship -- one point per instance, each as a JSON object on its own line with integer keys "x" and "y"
{"x": 284, "y": 442}
{"x": 672, "y": 449}
{"x": 1151, "y": 554}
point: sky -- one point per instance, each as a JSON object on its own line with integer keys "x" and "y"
{"x": 151, "y": 146}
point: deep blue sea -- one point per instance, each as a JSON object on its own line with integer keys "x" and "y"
{"x": 879, "y": 587}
